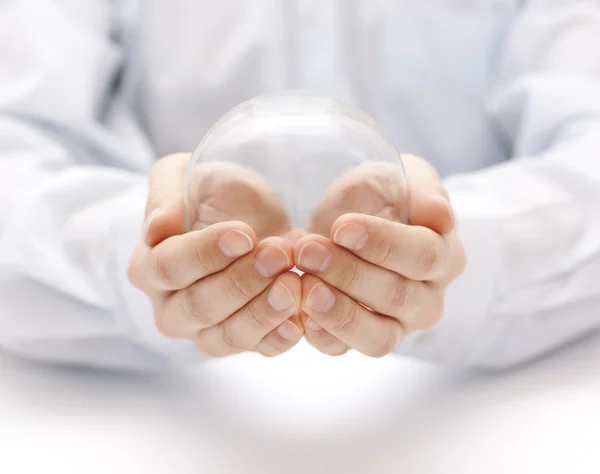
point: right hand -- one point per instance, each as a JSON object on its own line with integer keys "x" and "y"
{"x": 218, "y": 285}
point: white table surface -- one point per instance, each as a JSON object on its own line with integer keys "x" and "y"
{"x": 305, "y": 413}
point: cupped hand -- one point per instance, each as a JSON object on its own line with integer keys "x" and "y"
{"x": 226, "y": 284}
{"x": 369, "y": 278}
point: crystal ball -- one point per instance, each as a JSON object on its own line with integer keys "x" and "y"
{"x": 290, "y": 162}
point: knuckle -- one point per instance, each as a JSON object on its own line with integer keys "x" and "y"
{"x": 271, "y": 346}
{"x": 206, "y": 259}
{"x": 133, "y": 273}
{"x": 398, "y": 297}
{"x": 230, "y": 340}
{"x": 440, "y": 199}
{"x": 163, "y": 326}
{"x": 258, "y": 317}
{"x": 347, "y": 319}
{"x": 196, "y": 308}
{"x": 351, "y": 277}
{"x": 386, "y": 250}
{"x": 162, "y": 269}
{"x": 461, "y": 260}
{"x": 434, "y": 316}
{"x": 210, "y": 350}
{"x": 427, "y": 260}
{"x": 383, "y": 347}
{"x": 240, "y": 286}
{"x": 270, "y": 352}
{"x": 329, "y": 345}
{"x": 334, "y": 350}
{"x": 443, "y": 191}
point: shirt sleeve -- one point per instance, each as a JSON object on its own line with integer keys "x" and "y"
{"x": 73, "y": 167}
{"x": 531, "y": 226}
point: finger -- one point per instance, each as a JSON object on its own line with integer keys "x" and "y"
{"x": 370, "y": 333}
{"x": 183, "y": 259}
{"x": 164, "y": 208}
{"x": 247, "y": 327}
{"x": 322, "y": 340}
{"x": 220, "y": 191}
{"x": 414, "y": 252}
{"x": 381, "y": 290}
{"x": 375, "y": 189}
{"x": 282, "y": 338}
{"x": 429, "y": 201}
{"x": 214, "y": 298}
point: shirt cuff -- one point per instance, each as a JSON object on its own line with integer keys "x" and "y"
{"x": 459, "y": 338}
{"x": 138, "y": 319}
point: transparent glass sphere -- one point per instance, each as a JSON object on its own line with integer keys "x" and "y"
{"x": 293, "y": 161}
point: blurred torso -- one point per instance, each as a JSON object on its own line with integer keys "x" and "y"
{"x": 422, "y": 68}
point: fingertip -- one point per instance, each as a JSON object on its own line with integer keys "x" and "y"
{"x": 325, "y": 342}
{"x": 309, "y": 324}
{"x": 281, "y": 339}
{"x": 234, "y": 238}
{"x": 297, "y": 321}
{"x": 293, "y": 285}
{"x": 290, "y": 332}
{"x": 308, "y": 282}
{"x": 442, "y": 216}
{"x": 433, "y": 212}
{"x": 274, "y": 255}
{"x": 154, "y": 229}
{"x": 303, "y": 317}
{"x": 300, "y": 243}
{"x": 241, "y": 226}
{"x": 282, "y": 244}
{"x": 351, "y": 217}
{"x": 162, "y": 223}
{"x": 234, "y": 243}
{"x": 134, "y": 274}
{"x": 292, "y": 281}
{"x": 277, "y": 241}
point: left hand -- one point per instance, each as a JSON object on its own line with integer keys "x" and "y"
{"x": 375, "y": 279}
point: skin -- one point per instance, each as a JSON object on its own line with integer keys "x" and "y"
{"x": 225, "y": 285}
{"x": 368, "y": 278}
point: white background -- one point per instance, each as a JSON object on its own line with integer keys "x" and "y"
{"x": 305, "y": 413}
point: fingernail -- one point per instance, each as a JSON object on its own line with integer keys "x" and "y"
{"x": 235, "y": 243}
{"x": 314, "y": 257}
{"x": 279, "y": 297}
{"x": 351, "y": 235}
{"x": 312, "y": 325}
{"x": 153, "y": 215}
{"x": 289, "y": 331}
{"x": 271, "y": 260}
{"x": 320, "y": 298}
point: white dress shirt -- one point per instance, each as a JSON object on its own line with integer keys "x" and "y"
{"x": 502, "y": 96}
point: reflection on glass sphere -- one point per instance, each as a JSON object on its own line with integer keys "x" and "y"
{"x": 293, "y": 160}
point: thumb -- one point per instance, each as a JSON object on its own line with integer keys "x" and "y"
{"x": 429, "y": 202}
{"x": 164, "y": 208}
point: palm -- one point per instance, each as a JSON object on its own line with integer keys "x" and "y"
{"x": 375, "y": 189}
{"x": 222, "y": 191}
